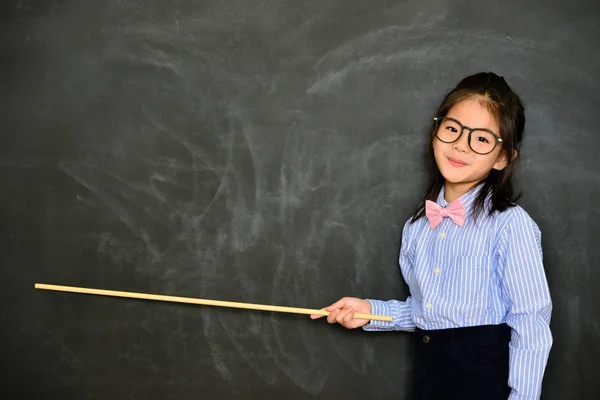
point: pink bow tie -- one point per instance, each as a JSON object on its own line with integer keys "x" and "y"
{"x": 455, "y": 211}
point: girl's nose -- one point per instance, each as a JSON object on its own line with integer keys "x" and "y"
{"x": 462, "y": 144}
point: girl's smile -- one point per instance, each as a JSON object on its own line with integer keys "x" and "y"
{"x": 456, "y": 162}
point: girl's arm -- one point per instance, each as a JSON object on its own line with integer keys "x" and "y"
{"x": 526, "y": 295}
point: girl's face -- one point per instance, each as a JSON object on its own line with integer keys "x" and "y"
{"x": 462, "y": 167}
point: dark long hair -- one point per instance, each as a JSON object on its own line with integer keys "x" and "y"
{"x": 494, "y": 93}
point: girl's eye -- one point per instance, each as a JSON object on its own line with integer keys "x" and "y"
{"x": 452, "y": 129}
{"x": 482, "y": 139}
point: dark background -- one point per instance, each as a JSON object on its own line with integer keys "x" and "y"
{"x": 266, "y": 152}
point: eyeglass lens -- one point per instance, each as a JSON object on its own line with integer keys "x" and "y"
{"x": 482, "y": 141}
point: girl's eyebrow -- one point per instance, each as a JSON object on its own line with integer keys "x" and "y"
{"x": 470, "y": 127}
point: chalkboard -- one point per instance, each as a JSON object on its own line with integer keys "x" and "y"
{"x": 265, "y": 152}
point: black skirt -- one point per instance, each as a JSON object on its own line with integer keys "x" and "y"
{"x": 462, "y": 363}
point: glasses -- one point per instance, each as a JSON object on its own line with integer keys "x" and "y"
{"x": 481, "y": 141}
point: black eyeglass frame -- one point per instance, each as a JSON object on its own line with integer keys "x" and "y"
{"x": 438, "y": 120}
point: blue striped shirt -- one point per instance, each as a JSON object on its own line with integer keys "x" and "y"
{"x": 486, "y": 272}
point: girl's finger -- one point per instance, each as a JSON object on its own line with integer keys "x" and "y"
{"x": 338, "y": 305}
{"x": 331, "y": 318}
{"x": 316, "y": 316}
{"x": 342, "y": 315}
{"x": 348, "y": 320}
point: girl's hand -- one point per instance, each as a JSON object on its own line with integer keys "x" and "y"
{"x": 343, "y": 310}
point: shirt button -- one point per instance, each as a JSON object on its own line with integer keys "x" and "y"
{"x": 442, "y": 235}
{"x": 428, "y": 306}
{"x": 436, "y": 271}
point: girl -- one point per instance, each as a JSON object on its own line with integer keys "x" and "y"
{"x": 472, "y": 258}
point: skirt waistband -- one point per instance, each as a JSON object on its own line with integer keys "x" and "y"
{"x": 481, "y": 334}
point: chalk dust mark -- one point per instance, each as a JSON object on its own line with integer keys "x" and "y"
{"x": 218, "y": 357}
{"x": 370, "y": 64}
{"x": 196, "y": 152}
{"x": 198, "y": 156}
{"x": 142, "y": 189}
{"x": 250, "y": 354}
{"x": 365, "y": 43}
{"x": 159, "y": 58}
{"x": 377, "y": 50}
{"x": 169, "y": 163}
{"x": 89, "y": 202}
{"x": 6, "y": 162}
{"x": 84, "y": 178}
{"x": 300, "y": 362}
{"x": 247, "y": 219}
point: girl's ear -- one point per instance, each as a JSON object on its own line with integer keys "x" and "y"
{"x": 502, "y": 160}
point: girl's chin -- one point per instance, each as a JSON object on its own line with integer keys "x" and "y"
{"x": 462, "y": 183}
{"x": 453, "y": 178}
{"x": 456, "y": 180}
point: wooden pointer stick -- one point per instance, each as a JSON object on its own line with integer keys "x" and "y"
{"x": 190, "y": 300}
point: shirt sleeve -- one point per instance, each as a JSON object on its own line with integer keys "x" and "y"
{"x": 527, "y": 298}
{"x": 400, "y": 311}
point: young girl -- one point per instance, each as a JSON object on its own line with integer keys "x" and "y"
{"x": 472, "y": 258}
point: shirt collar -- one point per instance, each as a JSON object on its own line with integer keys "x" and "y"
{"x": 467, "y": 199}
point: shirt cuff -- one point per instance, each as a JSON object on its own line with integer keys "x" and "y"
{"x": 379, "y": 307}
{"x": 514, "y": 396}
